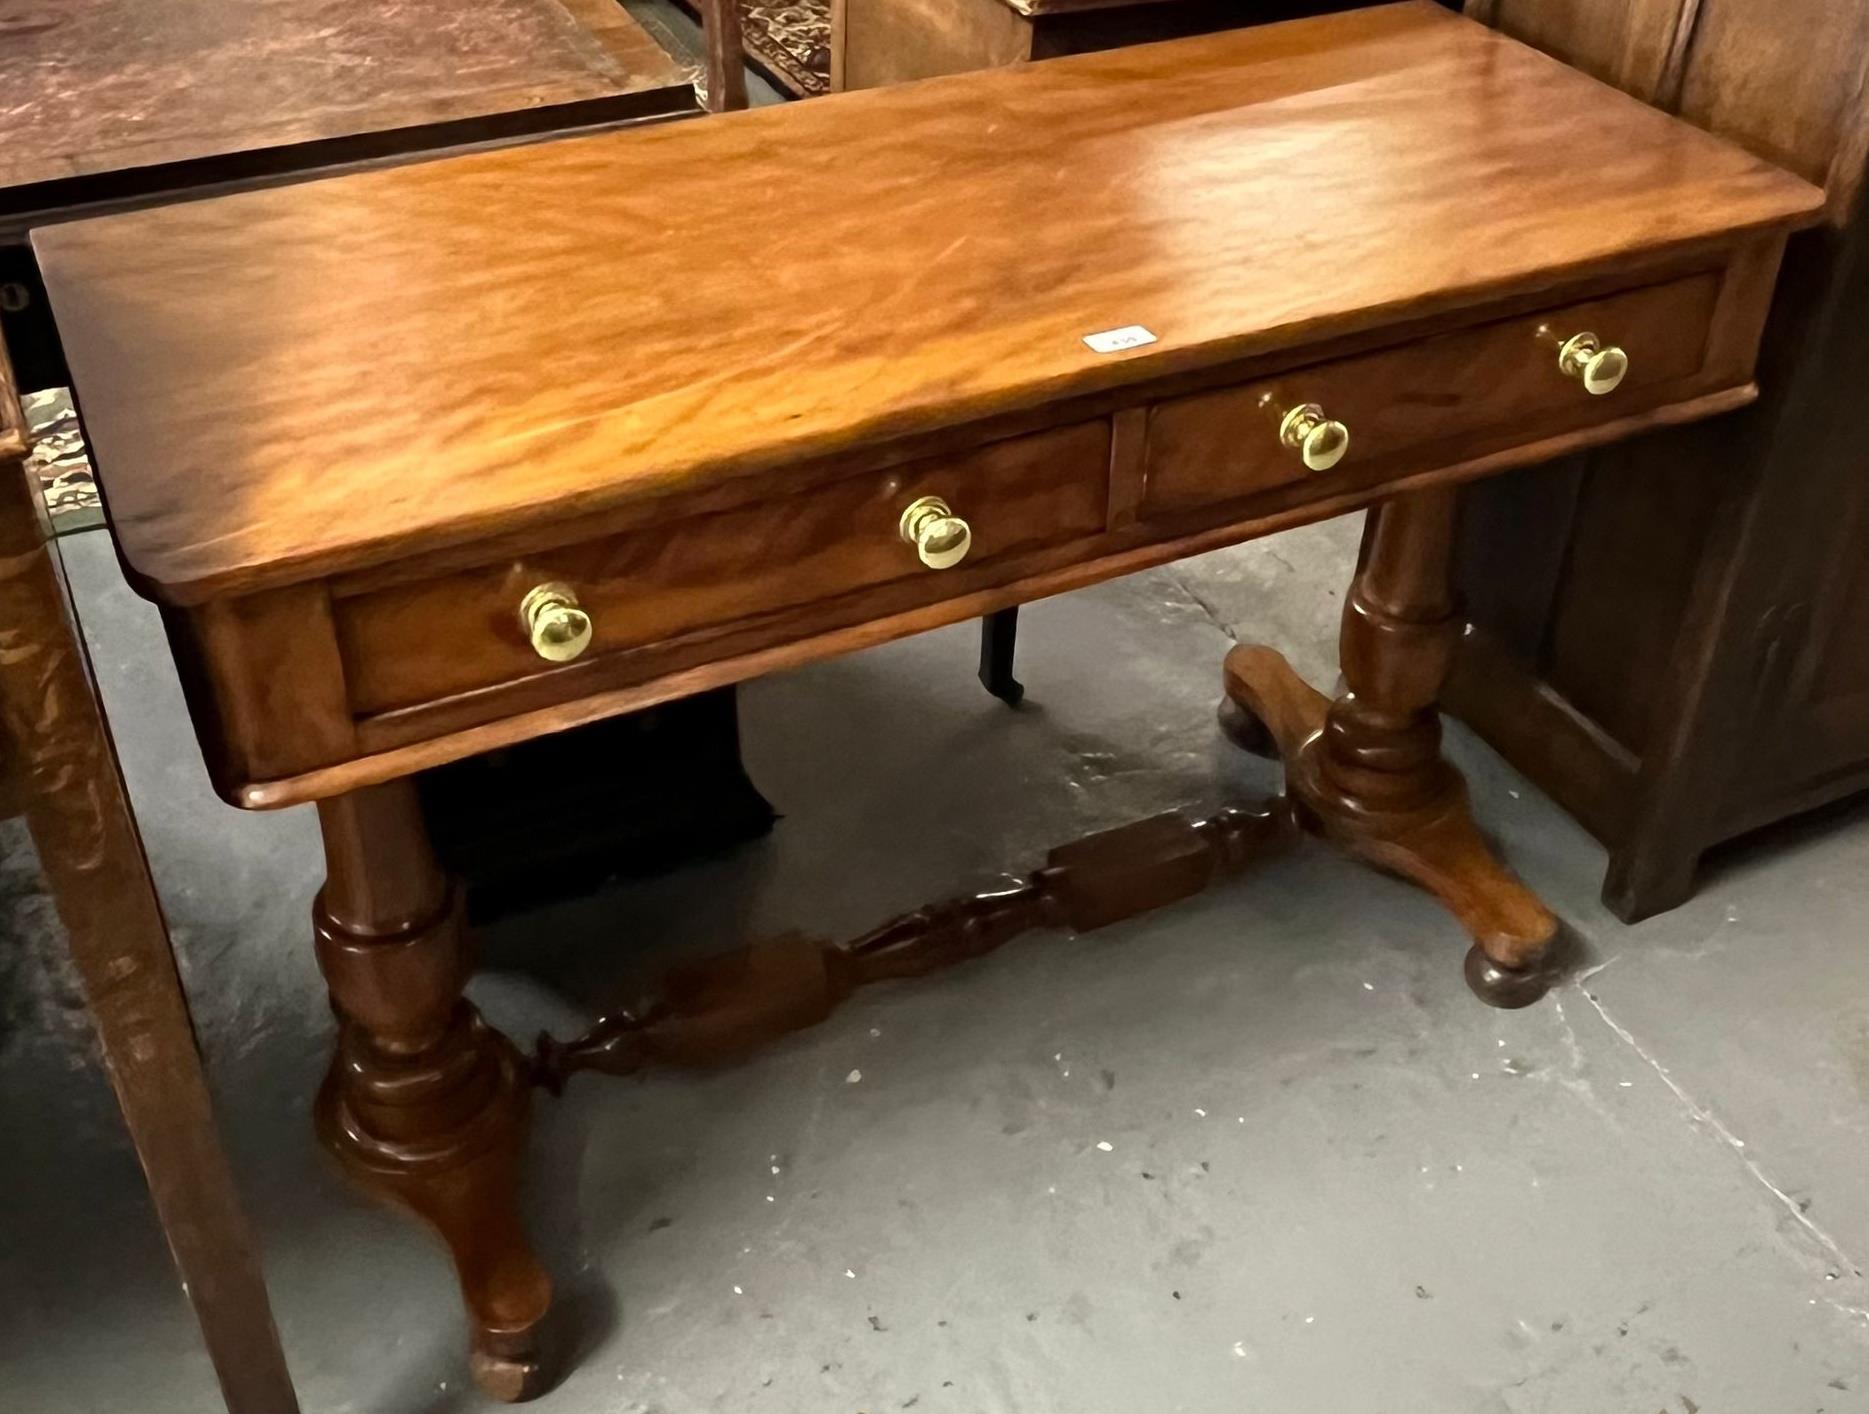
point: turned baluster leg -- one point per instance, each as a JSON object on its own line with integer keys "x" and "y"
{"x": 425, "y": 1104}
{"x": 1366, "y": 770}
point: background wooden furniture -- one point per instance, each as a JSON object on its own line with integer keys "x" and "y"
{"x": 902, "y": 440}
{"x": 117, "y": 101}
{"x": 113, "y": 104}
{"x": 723, "y": 79}
{"x": 58, "y": 768}
{"x": 879, "y": 42}
{"x": 1668, "y": 635}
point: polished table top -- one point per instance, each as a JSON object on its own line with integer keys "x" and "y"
{"x": 734, "y": 295}
{"x": 103, "y": 97}
{"x": 523, "y": 440}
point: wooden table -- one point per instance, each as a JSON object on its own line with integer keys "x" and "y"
{"x": 58, "y": 768}
{"x": 109, "y": 102}
{"x": 105, "y": 104}
{"x": 1375, "y": 255}
{"x": 875, "y": 43}
{"x": 112, "y": 99}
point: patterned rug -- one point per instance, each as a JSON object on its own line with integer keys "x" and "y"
{"x": 60, "y": 462}
{"x": 789, "y": 41}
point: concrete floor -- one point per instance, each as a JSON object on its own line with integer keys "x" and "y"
{"x": 1259, "y": 1152}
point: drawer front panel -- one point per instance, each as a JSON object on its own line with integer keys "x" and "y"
{"x": 428, "y": 640}
{"x": 1498, "y": 382}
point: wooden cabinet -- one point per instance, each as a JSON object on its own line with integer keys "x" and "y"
{"x": 1667, "y": 636}
{"x": 879, "y": 42}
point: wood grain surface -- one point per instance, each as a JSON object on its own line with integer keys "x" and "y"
{"x": 95, "y": 86}
{"x": 58, "y": 766}
{"x": 1454, "y": 391}
{"x": 695, "y": 574}
{"x": 735, "y": 296}
{"x": 1786, "y": 79}
{"x": 1674, "y": 668}
{"x": 394, "y": 744}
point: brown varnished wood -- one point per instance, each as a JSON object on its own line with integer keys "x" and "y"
{"x": 60, "y": 770}
{"x": 725, "y": 67}
{"x": 1750, "y": 270}
{"x": 386, "y": 663}
{"x": 1784, "y": 79}
{"x": 1636, "y": 46}
{"x": 725, "y": 1007}
{"x": 416, "y": 444}
{"x": 652, "y": 585}
{"x": 15, "y": 442}
{"x": 425, "y": 1104}
{"x": 1596, "y": 774}
{"x": 879, "y": 42}
{"x": 1593, "y": 643}
{"x": 1456, "y": 389}
{"x": 691, "y": 577}
{"x": 1366, "y": 770}
{"x": 1701, "y": 647}
{"x": 1749, "y": 732}
{"x": 253, "y": 664}
{"x": 393, "y": 744}
{"x": 475, "y": 418}
{"x": 883, "y": 42}
{"x": 1752, "y": 73}
{"x": 1129, "y": 440}
{"x": 111, "y": 88}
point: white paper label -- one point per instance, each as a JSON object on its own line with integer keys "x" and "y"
{"x": 1130, "y": 336}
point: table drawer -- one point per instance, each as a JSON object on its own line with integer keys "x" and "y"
{"x": 433, "y": 638}
{"x": 1495, "y": 383}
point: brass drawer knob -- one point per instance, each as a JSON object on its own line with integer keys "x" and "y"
{"x": 558, "y": 628}
{"x": 939, "y": 536}
{"x": 1582, "y": 356}
{"x": 1319, "y": 440}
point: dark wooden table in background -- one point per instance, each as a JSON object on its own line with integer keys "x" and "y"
{"x": 114, "y": 102}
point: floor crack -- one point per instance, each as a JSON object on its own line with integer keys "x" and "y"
{"x": 1201, "y": 602}
{"x": 1702, "y": 1115}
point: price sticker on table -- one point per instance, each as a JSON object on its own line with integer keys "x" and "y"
{"x": 1130, "y": 336}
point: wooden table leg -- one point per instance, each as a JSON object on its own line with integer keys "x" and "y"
{"x": 999, "y": 637}
{"x": 425, "y": 1104}
{"x": 1366, "y": 771}
{"x": 61, "y": 766}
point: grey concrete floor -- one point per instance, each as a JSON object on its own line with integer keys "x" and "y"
{"x": 1258, "y": 1152}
